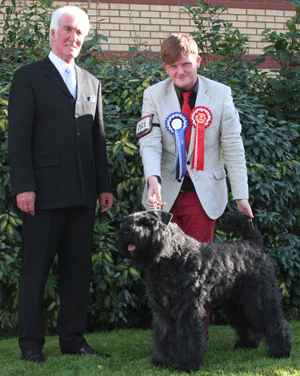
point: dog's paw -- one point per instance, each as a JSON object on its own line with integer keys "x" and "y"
{"x": 246, "y": 345}
{"x": 279, "y": 354}
{"x": 161, "y": 362}
{"x": 187, "y": 367}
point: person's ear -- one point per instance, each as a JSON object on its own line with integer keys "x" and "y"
{"x": 52, "y": 35}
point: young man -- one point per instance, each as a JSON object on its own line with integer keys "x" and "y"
{"x": 58, "y": 167}
{"x": 210, "y": 130}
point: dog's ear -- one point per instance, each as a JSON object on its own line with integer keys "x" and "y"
{"x": 165, "y": 217}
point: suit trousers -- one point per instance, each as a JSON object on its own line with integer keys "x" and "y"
{"x": 67, "y": 232}
{"x": 190, "y": 216}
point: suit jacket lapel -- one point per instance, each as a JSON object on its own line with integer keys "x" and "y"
{"x": 80, "y": 82}
{"x": 82, "y": 90}
{"x": 80, "y": 85}
{"x": 171, "y": 102}
{"x": 52, "y": 73}
{"x": 202, "y": 99}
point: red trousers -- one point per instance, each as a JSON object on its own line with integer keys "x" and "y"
{"x": 190, "y": 216}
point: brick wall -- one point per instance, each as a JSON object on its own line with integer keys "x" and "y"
{"x": 125, "y": 22}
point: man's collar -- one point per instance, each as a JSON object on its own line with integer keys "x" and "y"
{"x": 60, "y": 64}
{"x": 194, "y": 88}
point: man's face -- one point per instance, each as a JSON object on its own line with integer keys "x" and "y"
{"x": 183, "y": 72}
{"x": 67, "y": 41}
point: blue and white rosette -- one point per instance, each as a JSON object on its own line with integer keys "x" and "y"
{"x": 177, "y": 123}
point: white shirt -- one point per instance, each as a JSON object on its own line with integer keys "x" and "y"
{"x": 61, "y": 66}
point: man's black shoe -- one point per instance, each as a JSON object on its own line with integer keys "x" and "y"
{"x": 35, "y": 356}
{"x": 87, "y": 350}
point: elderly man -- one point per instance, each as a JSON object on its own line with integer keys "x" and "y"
{"x": 59, "y": 168}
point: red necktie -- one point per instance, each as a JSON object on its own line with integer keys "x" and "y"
{"x": 186, "y": 110}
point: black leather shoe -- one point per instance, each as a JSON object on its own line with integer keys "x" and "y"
{"x": 33, "y": 356}
{"x": 87, "y": 350}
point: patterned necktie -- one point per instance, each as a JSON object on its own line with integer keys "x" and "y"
{"x": 70, "y": 82}
{"x": 186, "y": 110}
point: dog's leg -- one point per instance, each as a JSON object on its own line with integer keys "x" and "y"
{"x": 274, "y": 323}
{"x": 191, "y": 340}
{"x": 276, "y": 329}
{"x": 262, "y": 307}
{"x": 278, "y": 339}
{"x": 248, "y": 336}
{"x": 163, "y": 348}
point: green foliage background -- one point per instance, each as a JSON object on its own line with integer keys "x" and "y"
{"x": 269, "y": 111}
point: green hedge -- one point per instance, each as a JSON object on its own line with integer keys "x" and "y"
{"x": 271, "y": 137}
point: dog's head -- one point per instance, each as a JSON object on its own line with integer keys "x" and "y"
{"x": 140, "y": 236}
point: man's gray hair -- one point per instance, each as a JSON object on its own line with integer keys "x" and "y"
{"x": 73, "y": 11}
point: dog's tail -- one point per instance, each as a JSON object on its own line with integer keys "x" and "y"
{"x": 241, "y": 224}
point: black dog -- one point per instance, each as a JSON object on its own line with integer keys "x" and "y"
{"x": 185, "y": 279}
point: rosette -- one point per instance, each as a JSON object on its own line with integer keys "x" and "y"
{"x": 177, "y": 123}
{"x": 201, "y": 118}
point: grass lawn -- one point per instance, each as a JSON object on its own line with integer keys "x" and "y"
{"x": 131, "y": 352}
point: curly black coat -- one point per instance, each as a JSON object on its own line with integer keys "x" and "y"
{"x": 185, "y": 279}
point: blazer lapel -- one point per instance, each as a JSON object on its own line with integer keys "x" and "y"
{"x": 81, "y": 85}
{"x": 82, "y": 90}
{"x": 202, "y": 99}
{"x": 80, "y": 82}
{"x": 52, "y": 73}
{"x": 171, "y": 102}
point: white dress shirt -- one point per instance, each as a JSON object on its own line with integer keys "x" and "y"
{"x": 61, "y": 66}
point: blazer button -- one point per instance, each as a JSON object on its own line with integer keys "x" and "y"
{"x": 73, "y": 100}
{"x": 76, "y": 116}
{"x": 78, "y": 133}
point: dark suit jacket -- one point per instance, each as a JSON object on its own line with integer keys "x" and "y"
{"x": 56, "y": 143}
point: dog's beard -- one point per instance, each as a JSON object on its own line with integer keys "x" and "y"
{"x": 137, "y": 246}
{"x": 136, "y": 253}
{"x": 140, "y": 236}
{"x": 131, "y": 243}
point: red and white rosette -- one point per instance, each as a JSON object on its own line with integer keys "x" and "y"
{"x": 201, "y": 118}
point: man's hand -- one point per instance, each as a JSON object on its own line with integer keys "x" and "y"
{"x": 244, "y": 207}
{"x": 154, "y": 196}
{"x": 26, "y": 201}
{"x": 106, "y": 201}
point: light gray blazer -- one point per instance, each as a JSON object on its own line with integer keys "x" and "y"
{"x": 223, "y": 142}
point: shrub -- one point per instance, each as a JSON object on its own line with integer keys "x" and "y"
{"x": 282, "y": 94}
{"x": 119, "y": 292}
{"x": 118, "y": 297}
